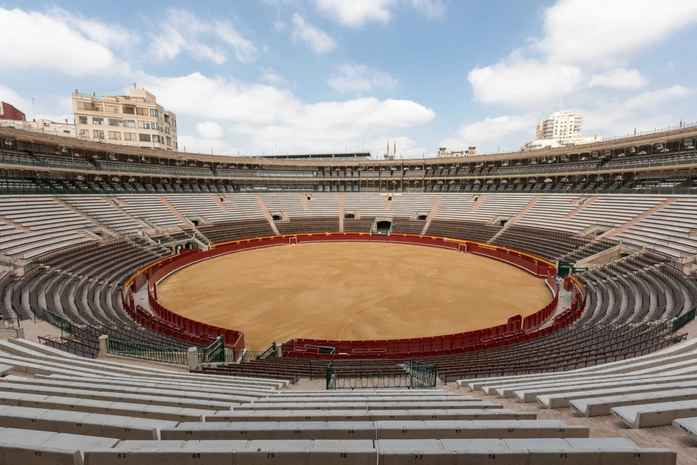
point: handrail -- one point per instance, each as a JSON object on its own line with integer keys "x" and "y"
{"x": 144, "y": 351}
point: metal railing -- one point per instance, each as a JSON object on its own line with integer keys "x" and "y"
{"x": 270, "y": 352}
{"x": 214, "y": 353}
{"x": 411, "y": 375}
{"x": 684, "y": 319}
{"x": 143, "y": 351}
{"x": 62, "y": 323}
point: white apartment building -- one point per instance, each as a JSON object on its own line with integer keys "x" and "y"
{"x": 560, "y": 125}
{"x": 135, "y": 120}
{"x": 560, "y": 129}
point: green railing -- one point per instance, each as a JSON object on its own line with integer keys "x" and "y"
{"x": 423, "y": 375}
{"x": 214, "y": 353}
{"x": 143, "y": 351}
{"x": 270, "y": 352}
{"x": 684, "y": 319}
{"x": 411, "y": 375}
{"x": 60, "y": 322}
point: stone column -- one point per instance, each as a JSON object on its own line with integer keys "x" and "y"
{"x": 103, "y": 345}
{"x": 192, "y": 357}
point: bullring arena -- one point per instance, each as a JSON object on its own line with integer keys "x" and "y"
{"x": 351, "y": 291}
{"x": 348, "y": 310}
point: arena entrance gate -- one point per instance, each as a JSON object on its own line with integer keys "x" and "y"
{"x": 292, "y": 240}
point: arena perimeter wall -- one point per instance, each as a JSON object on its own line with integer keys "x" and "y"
{"x": 517, "y": 329}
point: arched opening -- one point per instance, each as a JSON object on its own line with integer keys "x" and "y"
{"x": 382, "y": 228}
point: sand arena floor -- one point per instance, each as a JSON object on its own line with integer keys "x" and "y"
{"x": 351, "y": 291}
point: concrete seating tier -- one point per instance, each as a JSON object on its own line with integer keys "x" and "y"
{"x": 239, "y": 229}
{"x": 81, "y": 411}
{"x": 688, "y": 426}
{"x": 387, "y": 451}
{"x": 659, "y": 414}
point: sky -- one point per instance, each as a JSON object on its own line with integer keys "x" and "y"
{"x": 336, "y": 76}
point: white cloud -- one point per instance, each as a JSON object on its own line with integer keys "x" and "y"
{"x": 45, "y": 41}
{"x": 108, "y": 35}
{"x": 199, "y": 144}
{"x": 356, "y": 13}
{"x": 620, "y": 78}
{"x": 319, "y": 41}
{"x": 524, "y": 83}
{"x": 602, "y": 31}
{"x": 358, "y": 78}
{"x": 13, "y": 98}
{"x": 182, "y": 31}
{"x": 272, "y": 77}
{"x": 280, "y": 26}
{"x": 260, "y": 116}
{"x": 487, "y": 133}
{"x": 209, "y": 130}
{"x": 430, "y": 8}
{"x": 645, "y": 111}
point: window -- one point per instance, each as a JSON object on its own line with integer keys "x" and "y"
{"x": 166, "y": 118}
{"x": 114, "y": 135}
{"x": 144, "y": 137}
{"x": 83, "y": 120}
{"x": 84, "y": 132}
{"x": 142, "y": 111}
{"x": 174, "y": 122}
{"x": 143, "y": 124}
{"x": 155, "y": 114}
{"x": 85, "y": 106}
{"x": 129, "y": 123}
{"x": 129, "y": 110}
{"x": 169, "y": 141}
{"x": 156, "y": 139}
{"x": 99, "y": 121}
{"x": 114, "y": 122}
{"x": 129, "y": 136}
{"x": 98, "y": 134}
{"x": 153, "y": 126}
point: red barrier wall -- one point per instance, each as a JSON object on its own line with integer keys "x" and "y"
{"x": 517, "y": 329}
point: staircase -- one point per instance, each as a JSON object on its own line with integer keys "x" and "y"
{"x": 580, "y": 207}
{"x": 631, "y": 223}
{"x": 341, "y": 212}
{"x": 478, "y": 203}
{"x": 175, "y": 211}
{"x": 85, "y": 215}
{"x": 513, "y": 220}
{"x": 220, "y": 204}
{"x": 266, "y": 213}
{"x": 432, "y": 213}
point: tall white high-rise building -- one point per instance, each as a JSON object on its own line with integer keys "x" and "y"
{"x": 560, "y": 125}
{"x": 560, "y": 129}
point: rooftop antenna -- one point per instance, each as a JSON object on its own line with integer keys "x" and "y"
{"x": 134, "y": 85}
{"x": 33, "y": 108}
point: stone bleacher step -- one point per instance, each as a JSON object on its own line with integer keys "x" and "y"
{"x": 370, "y": 415}
{"x": 20, "y": 446}
{"x": 83, "y": 423}
{"x": 383, "y": 429}
{"x": 385, "y": 451}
